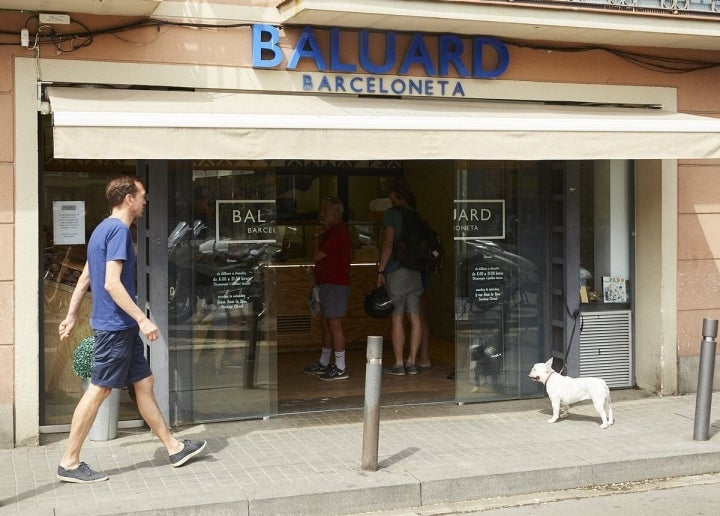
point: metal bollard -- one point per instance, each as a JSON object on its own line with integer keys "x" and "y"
{"x": 371, "y": 425}
{"x": 705, "y": 380}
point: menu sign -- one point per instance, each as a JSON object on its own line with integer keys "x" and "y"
{"x": 485, "y": 283}
{"x": 233, "y": 287}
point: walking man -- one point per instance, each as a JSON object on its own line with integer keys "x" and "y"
{"x": 332, "y": 252}
{"x": 116, "y": 321}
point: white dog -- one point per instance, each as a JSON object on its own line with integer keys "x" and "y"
{"x": 563, "y": 391}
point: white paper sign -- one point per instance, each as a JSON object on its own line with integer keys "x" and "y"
{"x": 69, "y": 222}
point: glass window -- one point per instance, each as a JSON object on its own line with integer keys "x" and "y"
{"x": 500, "y": 239}
{"x": 222, "y": 346}
{"x": 299, "y": 194}
{"x": 73, "y": 203}
{"x": 605, "y": 234}
{"x": 517, "y": 237}
{"x": 236, "y": 237}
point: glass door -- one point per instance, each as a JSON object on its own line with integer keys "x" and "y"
{"x": 539, "y": 246}
{"x": 224, "y": 255}
{"x": 213, "y": 282}
{"x": 501, "y": 240}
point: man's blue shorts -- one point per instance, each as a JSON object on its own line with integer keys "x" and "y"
{"x": 333, "y": 300}
{"x": 119, "y": 358}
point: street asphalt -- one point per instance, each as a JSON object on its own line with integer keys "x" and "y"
{"x": 428, "y": 454}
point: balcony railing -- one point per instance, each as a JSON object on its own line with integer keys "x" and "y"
{"x": 671, "y": 7}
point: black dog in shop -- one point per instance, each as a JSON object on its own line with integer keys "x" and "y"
{"x": 485, "y": 365}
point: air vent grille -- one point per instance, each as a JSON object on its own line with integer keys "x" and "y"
{"x": 606, "y": 347}
{"x": 293, "y": 324}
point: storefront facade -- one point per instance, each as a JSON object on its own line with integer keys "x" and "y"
{"x": 533, "y": 165}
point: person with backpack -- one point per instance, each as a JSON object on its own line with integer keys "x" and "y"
{"x": 404, "y": 284}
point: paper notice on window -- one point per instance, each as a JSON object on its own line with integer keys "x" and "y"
{"x": 68, "y": 222}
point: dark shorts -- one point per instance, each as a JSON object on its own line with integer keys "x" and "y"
{"x": 119, "y": 358}
{"x": 333, "y": 300}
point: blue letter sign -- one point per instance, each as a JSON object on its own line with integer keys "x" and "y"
{"x": 376, "y": 54}
{"x": 307, "y": 46}
{"x": 270, "y": 45}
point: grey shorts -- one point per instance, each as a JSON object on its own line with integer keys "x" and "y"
{"x": 119, "y": 358}
{"x": 405, "y": 288}
{"x": 333, "y": 300}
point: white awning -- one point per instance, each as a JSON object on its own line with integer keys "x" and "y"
{"x": 93, "y": 123}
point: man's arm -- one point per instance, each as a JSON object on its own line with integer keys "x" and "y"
{"x": 120, "y": 295}
{"x": 385, "y": 253}
{"x": 81, "y": 287}
{"x": 317, "y": 237}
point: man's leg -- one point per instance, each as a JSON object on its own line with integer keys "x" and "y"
{"x": 336, "y": 331}
{"x": 322, "y": 365}
{"x": 398, "y": 338}
{"x": 179, "y": 452}
{"x": 415, "y": 336}
{"x": 82, "y": 420}
{"x": 150, "y": 412}
{"x": 423, "y": 358}
{"x": 327, "y": 334}
{"x": 338, "y": 341}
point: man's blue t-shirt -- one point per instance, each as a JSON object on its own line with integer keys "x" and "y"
{"x": 111, "y": 240}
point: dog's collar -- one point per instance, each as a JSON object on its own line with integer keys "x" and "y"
{"x": 548, "y": 378}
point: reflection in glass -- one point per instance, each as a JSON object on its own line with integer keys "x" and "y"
{"x": 499, "y": 306}
{"x": 220, "y": 287}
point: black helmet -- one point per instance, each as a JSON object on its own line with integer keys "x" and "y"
{"x": 378, "y": 303}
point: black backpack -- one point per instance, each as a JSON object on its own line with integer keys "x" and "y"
{"x": 419, "y": 247}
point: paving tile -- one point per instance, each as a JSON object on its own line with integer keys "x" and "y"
{"x": 427, "y": 453}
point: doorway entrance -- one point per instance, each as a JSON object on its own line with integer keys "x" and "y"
{"x": 226, "y": 271}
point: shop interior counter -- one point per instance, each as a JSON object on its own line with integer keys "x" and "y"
{"x": 298, "y": 330}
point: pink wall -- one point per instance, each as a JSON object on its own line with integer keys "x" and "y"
{"x": 7, "y": 217}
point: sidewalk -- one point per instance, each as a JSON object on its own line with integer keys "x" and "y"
{"x": 429, "y": 454}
